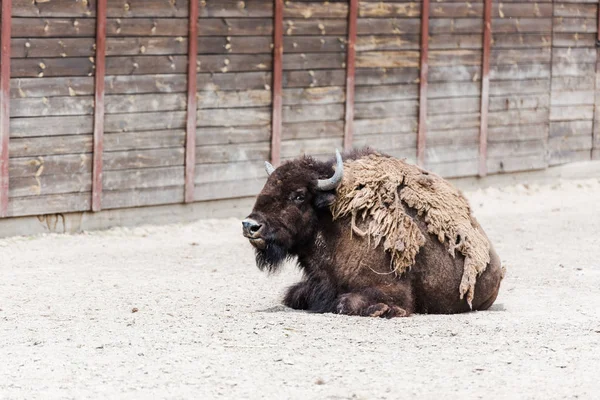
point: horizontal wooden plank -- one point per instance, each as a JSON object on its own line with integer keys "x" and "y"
{"x": 46, "y": 106}
{"x": 224, "y": 153}
{"x": 387, "y": 42}
{"x": 585, "y": 24}
{"x": 387, "y": 59}
{"x": 301, "y": 44}
{"x": 314, "y": 10}
{"x": 51, "y": 126}
{"x": 510, "y": 163}
{"x": 144, "y": 121}
{"x": 454, "y": 73}
{"x": 508, "y": 133}
{"x": 142, "y": 197}
{"x": 232, "y": 134}
{"x": 573, "y": 69}
{"x": 59, "y": 47}
{"x": 453, "y": 121}
{"x": 52, "y": 27}
{"x": 570, "y": 55}
{"x": 50, "y": 165}
{"x": 517, "y": 117}
{"x": 568, "y": 98}
{"x": 385, "y": 125}
{"x": 574, "y": 9}
{"x": 522, "y": 25}
{"x": 521, "y": 41}
{"x": 386, "y": 76}
{"x": 387, "y": 26}
{"x": 387, "y": 143}
{"x": 571, "y": 128}
{"x": 144, "y": 140}
{"x": 314, "y": 26}
{"x": 234, "y": 27}
{"x": 386, "y": 93}
{"x": 227, "y": 117}
{"x": 459, "y": 105}
{"x": 449, "y": 153}
{"x": 460, "y": 137}
{"x": 389, "y": 9}
{"x": 386, "y": 109}
{"x": 520, "y": 71}
{"x": 51, "y": 204}
{"x": 518, "y": 148}
{"x": 299, "y": 147}
{"x": 224, "y": 172}
{"x": 318, "y": 95}
{"x": 45, "y": 146}
{"x": 143, "y": 178}
{"x": 566, "y": 156}
{"x": 50, "y": 184}
{"x": 533, "y": 86}
{"x": 35, "y": 87}
{"x": 438, "y": 90}
{"x": 455, "y": 169}
{"x": 573, "y": 40}
{"x": 519, "y": 102}
{"x": 49, "y": 67}
{"x": 310, "y": 61}
{"x": 228, "y": 190}
{"x": 523, "y": 56}
{"x": 303, "y": 113}
{"x": 317, "y": 78}
{"x": 569, "y": 143}
{"x": 564, "y": 83}
{"x": 571, "y": 113}
{"x": 152, "y": 158}
{"x": 306, "y": 130}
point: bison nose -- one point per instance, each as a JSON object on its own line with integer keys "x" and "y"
{"x": 250, "y": 227}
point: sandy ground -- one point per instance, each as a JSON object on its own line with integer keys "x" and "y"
{"x": 209, "y": 325}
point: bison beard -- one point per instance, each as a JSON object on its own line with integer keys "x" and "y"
{"x": 379, "y": 238}
{"x": 271, "y": 258}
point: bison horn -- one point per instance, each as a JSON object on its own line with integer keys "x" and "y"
{"x": 269, "y": 168}
{"x": 334, "y": 181}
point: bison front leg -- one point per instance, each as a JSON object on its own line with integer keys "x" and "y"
{"x": 376, "y": 303}
{"x": 311, "y": 295}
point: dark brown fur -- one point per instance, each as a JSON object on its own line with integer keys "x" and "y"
{"x": 343, "y": 273}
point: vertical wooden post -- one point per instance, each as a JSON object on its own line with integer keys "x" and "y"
{"x": 4, "y": 103}
{"x": 485, "y": 87}
{"x": 277, "y": 83}
{"x": 350, "y": 74}
{"x": 596, "y": 128}
{"x": 190, "y": 140}
{"x": 99, "y": 105}
{"x": 422, "y": 133}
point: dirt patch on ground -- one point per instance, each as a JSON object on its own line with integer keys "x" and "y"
{"x": 181, "y": 311}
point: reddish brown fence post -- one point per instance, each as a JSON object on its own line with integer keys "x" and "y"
{"x": 350, "y": 74}
{"x": 485, "y": 87}
{"x": 190, "y": 140}
{"x": 422, "y": 134}
{"x": 596, "y": 127}
{"x": 99, "y": 105}
{"x": 277, "y": 83}
{"x": 4, "y": 103}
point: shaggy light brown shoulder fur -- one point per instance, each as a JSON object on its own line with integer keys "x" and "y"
{"x": 371, "y": 193}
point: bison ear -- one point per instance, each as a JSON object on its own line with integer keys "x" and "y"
{"x": 324, "y": 199}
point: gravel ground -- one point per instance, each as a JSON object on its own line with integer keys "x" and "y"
{"x": 181, "y": 311}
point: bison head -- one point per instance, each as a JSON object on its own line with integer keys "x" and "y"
{"x": 286, "y": 213}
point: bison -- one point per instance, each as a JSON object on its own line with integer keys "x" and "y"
{"x": 349, "y": 267}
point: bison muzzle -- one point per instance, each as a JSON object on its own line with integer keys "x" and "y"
{"x": 373, "y": 236}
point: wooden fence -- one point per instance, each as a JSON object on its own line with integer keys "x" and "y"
{"x": 109, "y": 104}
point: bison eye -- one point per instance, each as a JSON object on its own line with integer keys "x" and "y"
{"x": 298, "y": 197}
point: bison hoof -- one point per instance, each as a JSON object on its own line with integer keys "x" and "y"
{"x": 382, "y": 310}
